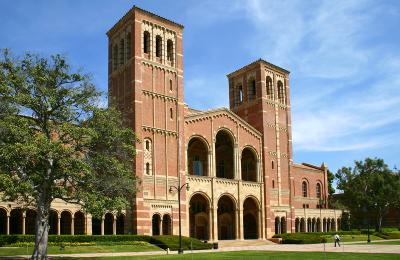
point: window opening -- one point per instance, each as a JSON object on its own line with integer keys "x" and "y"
{"x": 158, "y": 46}
{"x": 305, "y": 189}
{"x": 146, "y": 42}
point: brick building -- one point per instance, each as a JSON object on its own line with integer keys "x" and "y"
{"x": 237, "y": 162}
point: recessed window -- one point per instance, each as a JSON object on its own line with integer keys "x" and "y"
{"x": 171, "y": 113}
{"x": 272, "y": 165}
{"x": 121, "y": 52}
{"x": 115, "y": 57}
{"x": 252, "y": 89}
{"x": 158, "y": 46}
{"x": 240, "y": 94}
{"x": 128, "y": 46}
{"x": 146, "y": 42}
{"x": 147, "y": 145}
{"x": 305, "y": 189}
{"x": 318, "y": 190}
{"x": 170, "y": 85}
{"x": 148, "y": 168}
{"x": 273, "y": 184}
{"x": 170, "y": 50}
{"x": 268, "y": 82}
{"x": 281, "y": 93}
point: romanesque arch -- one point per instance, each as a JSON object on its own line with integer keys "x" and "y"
{"x": 79, "y": 223}
{"x": 319, "y": 227}
{"x": 166, "y": 225}
{"x": 283, "y": 225}
{"x": 197, "y": 156}
{"x": 53, "y": 222}
{"x": 108, "y": 223}
{"x": 302, "y": 225}
{"x": 66, "y": 221}
{"x": 199, "y": 219}
{"x": 16, "y": 221}
{"x": 120, "y": 224}
{"x": 155, "y": 224}
{"x": 96, "y": 226}
{"x": 224, "y": 155}
{"x": 251, "y": 214}
{"x": 3, "y": 221}
{"x": 297, "y": 225}
{"x": 30, "y": 218}
{"x": 226, "y": 218}
{"x": 249, "y": 165}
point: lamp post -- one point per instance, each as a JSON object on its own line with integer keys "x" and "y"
{"x": 179, "y": 189}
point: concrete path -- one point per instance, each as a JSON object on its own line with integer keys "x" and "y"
{"x": 346, "y": 247}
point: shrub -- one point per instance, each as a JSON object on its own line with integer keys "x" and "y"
{"x": 13, "y": 239}
{"x": 172, "y": 242}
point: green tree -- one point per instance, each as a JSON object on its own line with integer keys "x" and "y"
{"x": 369, "y": 189}
{"x": 331, "y": 177}
{"x": 55, "y": 143}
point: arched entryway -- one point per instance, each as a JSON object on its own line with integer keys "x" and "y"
{"x": 249, "y": 165}
{"x": 30, "y": 219}
{"x": 3, "y": 221}
{"x": 155, "y": 223}
{"x": 199, "y": 217}
{"x": 166, "y": 225}
{"x": 66, "y": 221}
{"x": 324, "y": 225}
{"x": 79, "y": 223}
{"x": 303, "y": 225}
{"x": 226, "y": 218}
{"x": 250, "y": 219}
{"x": 197, "y": 157}
{"x": 283, "y": 225}
{"x": 319, "y": 227}
{"x": 16, "y": 221}
{"x": 108, "y": 223}
{"x": 224, "y": 155}
{"x": 277, "y": 225}
{"x": 53, "y": 222}
{"x": 120, "y": 224}
{"x": 309, "y": 225}
{"x": 96, "y": 226}
{"x": 297, "y": 225}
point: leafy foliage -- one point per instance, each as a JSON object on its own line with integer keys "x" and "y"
{"x": 369, "y": 189}
{"x": 56, "y": 143}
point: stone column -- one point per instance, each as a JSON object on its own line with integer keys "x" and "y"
{"x": 215, "y": 223}
{"x": 8, "y": 224}
{"x": 209, "y": 165}
{"x": 72, "y": 226}
{"x": 213, "y": 162}
{"x": 58, "y": 224}
{"x": 241, "y": 224}
{"x": 114, "y": 225}
{"x": 235, "y": 162}
{"x": 23, "y": 223}
{"x": 237, "y": 234}
{"x": 102, "y": 225}
{"x": 210, "y": 225}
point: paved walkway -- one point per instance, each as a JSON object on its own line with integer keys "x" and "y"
{"x": 346, "y": 247}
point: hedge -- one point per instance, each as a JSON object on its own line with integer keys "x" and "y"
{"x": 12, "y": 239}
{"x": 164, "y": 242}
{"x": 311, "y": 238}
{"x": 172, "y": 242}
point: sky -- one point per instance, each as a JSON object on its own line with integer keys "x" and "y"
{"x": 344, "y": 59}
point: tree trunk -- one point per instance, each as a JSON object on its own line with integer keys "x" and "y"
{"x": 379, "y": 222}
{"x": 42, "y": 229}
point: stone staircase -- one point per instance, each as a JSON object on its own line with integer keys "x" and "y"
{"x": 243, "y": 243}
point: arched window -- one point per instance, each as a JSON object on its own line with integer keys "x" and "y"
{"x": 305, "y": 189}
{"x": 239, "y": 97}
{"x": 115, "y": 57}
{"x": 121, "y": 52}
{"x": 318, "y": 190}
{"x": 148, "y": 168}
{"x": 270, "y": 92}
{"x": 281, "y": 92}
{"x": 251, "y": 89}
{"x": 147, "y": 145}
{"x": 128, "y": 46}
{"x": 146, "y": 42}
{"x": 170, "y": 51}
{"x": 158, "y": 46}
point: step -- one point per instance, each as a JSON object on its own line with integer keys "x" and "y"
{"x": 237, "y": 243}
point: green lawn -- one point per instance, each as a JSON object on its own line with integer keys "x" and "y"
{"x": 4, "y": 251}
{"x": 255, "y": 255}
{"x": 350, "y": 238}
{"x": 386, "y": 242}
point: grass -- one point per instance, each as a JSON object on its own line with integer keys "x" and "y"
{"x": 351, "y": 238}
{"x": 255, "y": 255}
{"x": 143, "y": 247}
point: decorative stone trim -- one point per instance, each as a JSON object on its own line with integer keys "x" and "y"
{"x": 159, "y": 131}
{"x": 158, "y": 95}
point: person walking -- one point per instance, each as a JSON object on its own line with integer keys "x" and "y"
{"x": 337, "y": 240}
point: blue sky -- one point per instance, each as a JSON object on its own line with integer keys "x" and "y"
{"x": 344, "y": 59}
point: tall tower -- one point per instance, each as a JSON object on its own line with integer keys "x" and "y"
{"x": 145, "y": 82}
{"x": 259, "y": 93}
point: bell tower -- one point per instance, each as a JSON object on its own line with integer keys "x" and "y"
{"x": 259, "y": 93}
{"x": 145, "y": 82}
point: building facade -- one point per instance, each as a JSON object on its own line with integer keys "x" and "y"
{"x": 237, "y": 162}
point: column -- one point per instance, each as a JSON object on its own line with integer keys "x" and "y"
{"x": 8, "y": 224}
{"x": 23, "y": 223}
{"x": 210, "y": 226}
{"x": 209, "y": 166}
{"x": 114, "y": 225}
{"x": 102, "y": 225}
{"x": 235, "y": 162}
{"x": 237, "y": 234}
{"x": 212, "y": 161}
{"x": 215, "y": 223}
{"x": 72, "y": 226}
{"x": 259, "y": 225}
{"x": 241, "y": 224}
{"x": 58, "y": 224}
